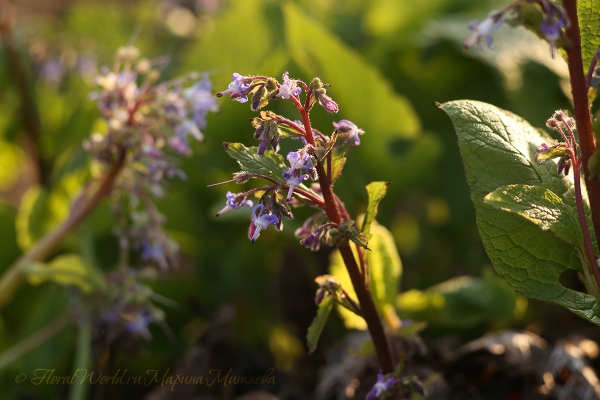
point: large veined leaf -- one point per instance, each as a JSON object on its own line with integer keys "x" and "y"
{"x": 498, "y": 149}
{"x": 589, "y": 28}
{"x": 540, "y": 206}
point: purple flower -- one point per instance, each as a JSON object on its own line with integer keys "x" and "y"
{"x": 543, "y": 149}
{"x": 180, "y": 144}
{"x": 563, "y": 165}
{"x": 552, "y": 31}
{"x": 381, "y": 386}
{"x": 139, "y": 323}
{"x": 238, "y": 89}
{"x": 288, "y": 88}
{"x": 53, "y": 71}
{"x": 310, "y": 224}
{"x": 261, "y": 219}
{"x": 312, "y": 241}
{"x": 483, "y": 30}
{"x": 154, "y": 252}
{"x": 561, "y": 150}
{"x": 299, "y": 160}
{"x": 235, "y": 202}
{"x": 345, "y": 126}
{"x": 327, "y": 103}
{"x": 202, "y": 99}
{"x": 556, "y": 19}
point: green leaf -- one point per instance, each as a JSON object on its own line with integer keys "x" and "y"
{"x": 269, "y": 164}
{"x": 316, "y": 328}
{"x": 498, "y": 149}
{"x": 385, "y": 267}
{"x": 463, "y": 302}
{"x": 589, "y": 28}
{"x": 363, "y": 94}
{"x": 65, "y": 270}
{"x": 540, "y": 206}
{"x": 376, "y": 192}
{"x": 11, "y": 161}
{"x": 40, "y": 211}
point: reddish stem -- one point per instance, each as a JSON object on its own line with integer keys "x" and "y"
{"x": 589, "y": 249}
{"x": 362, "y": 288}
{"x": 583, "y": 116}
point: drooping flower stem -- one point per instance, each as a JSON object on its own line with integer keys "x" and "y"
{"x": 90, "y": 198}
{"x": 361, "y": 287}
{"x": 582, "y": 113}
{"x": 589, "y": 249}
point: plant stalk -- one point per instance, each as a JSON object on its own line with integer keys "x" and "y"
{"x": 583, "y": 116}
{"x": 362, "y": 288}
{"x": 589, "y": 249}
{"x": 12, "y": 279}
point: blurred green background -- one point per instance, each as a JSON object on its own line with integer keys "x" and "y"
{"x": 388, "y": 61}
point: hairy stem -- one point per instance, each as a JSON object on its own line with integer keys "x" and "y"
{"x": 12, "y": 279}
{"x": 583, "y": 116}
{"x": 369, "y": 311}
{"x": 589, "y": 249}
{"x": 362, "y": 288}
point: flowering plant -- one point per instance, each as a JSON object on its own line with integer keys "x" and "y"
{"x": 147, "y": 123}
{"x": 307, "y": 179}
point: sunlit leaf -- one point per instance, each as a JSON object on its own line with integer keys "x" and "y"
{"x": 463, "y": 302}
{"x": 316, "y": 328}
{"x": 65, "y": 270}
{"x": 40, "y": 211}
{"x": 589, "y": 28}
{"x": 269, "y": 164}
{"x": 376, "y": 192}
{"x": 11, "y": 162}
{"x": 385, "y": 268}
{"x": 540, "y": 206}
{"x": 498, "y": 149}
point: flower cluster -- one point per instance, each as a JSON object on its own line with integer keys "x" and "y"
{"x": 144, "y": 118}
{"x": 543, "y": 17}
{"x": 122, "y": 310}
{"x": 348, "y": 128}
{"x": 564, "y": 151}
{"x": 299, "y": 160}
{"x": 317, "y": 149}
{"x": 484, "y": 29}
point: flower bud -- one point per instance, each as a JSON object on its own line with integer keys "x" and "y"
{"x": 259, "y": 99}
